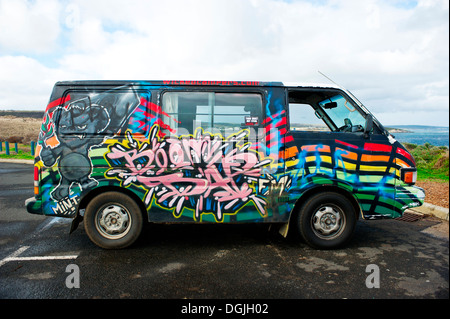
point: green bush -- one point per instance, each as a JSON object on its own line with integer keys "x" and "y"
{"x": 432, "y": 161}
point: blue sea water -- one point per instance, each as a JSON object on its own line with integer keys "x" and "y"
{"x": 435, "y": 135}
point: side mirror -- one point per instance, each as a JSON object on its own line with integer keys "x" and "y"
{"x": 368, "y": 126}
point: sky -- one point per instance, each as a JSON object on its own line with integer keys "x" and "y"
{"x": 392, "y": 54}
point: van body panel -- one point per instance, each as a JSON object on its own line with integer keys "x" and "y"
{"x": 237, "y": 158}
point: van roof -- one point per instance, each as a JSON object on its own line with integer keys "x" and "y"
{"x": 115, "y": 83}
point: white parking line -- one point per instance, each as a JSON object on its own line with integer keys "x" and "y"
{"x": 14, "y": 256}
{"x": 48, "y": 223}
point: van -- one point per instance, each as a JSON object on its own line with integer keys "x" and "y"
{"x": 308, "y": 158}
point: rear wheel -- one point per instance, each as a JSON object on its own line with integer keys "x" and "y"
{"x": 326, "y": 220}
{"x": 113, "y": 220}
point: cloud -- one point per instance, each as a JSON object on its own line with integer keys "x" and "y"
{"x": 181, "y": 39}
{"x": 392, "y": 54}
{"x": 24, "y": 82}
{"x": 29, "y": 27}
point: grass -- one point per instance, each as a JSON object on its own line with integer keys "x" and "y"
{"x": 432, "y": 161}
{"x": 24, "y": 152}
{"x": 426, "y": 174}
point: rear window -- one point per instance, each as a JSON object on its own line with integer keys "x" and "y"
{"x": 97, "y": 113}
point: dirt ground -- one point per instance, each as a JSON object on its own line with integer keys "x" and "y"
{"x": 435, "y": 193}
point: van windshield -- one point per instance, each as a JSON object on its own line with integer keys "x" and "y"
{"x": 344, "y": 115}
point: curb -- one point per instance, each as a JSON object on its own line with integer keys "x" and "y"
{"x": 430, "y": 209}
{"x": 425, "y": 209}
{"x": 15, "y": 160}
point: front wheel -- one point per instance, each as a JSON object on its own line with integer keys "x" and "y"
{"x": 326, "y": 220}
{"x": 113, "y": 220}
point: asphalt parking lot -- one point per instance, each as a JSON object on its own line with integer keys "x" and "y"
{"x": 388, "y": 259}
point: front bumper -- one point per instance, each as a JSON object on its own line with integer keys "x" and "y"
{"x": 410, "y": 196}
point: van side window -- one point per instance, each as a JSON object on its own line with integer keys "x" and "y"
{"x": 304, "y": 118}
{"x": 224, "y": 113}
{"x": 324, "y": 111}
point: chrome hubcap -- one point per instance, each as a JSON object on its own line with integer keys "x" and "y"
{"x": 113, "y": 221}
{"x": 328, "y": 222}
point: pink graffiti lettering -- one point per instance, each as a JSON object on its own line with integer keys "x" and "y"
{"x": 205, "y": 173}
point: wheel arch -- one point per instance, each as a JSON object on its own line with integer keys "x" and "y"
{"x": 100, "y": 190}
{"x": 322, "y": 189}
{"x": 301, "y": 216}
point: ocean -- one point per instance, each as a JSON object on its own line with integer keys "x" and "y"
{"x": 435, "y": 135}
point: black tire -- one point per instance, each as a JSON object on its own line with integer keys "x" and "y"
{"x": 113, "y": 220}
{"x": 326, "y": 220}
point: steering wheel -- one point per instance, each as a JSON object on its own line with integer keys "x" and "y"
{"x": 347, "y": 126}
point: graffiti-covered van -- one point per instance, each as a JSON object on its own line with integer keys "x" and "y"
{"x": 309, "y": 158}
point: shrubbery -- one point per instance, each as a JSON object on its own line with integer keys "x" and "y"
{"x": 432, "y": 160}
{"x": 15, "y": 139}
{"x": 26, "y": 139}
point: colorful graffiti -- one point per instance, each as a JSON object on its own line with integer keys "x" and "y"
{"x": 81, "y": 125}
{"x": 90, "y": 140}
{"x": 204, "y": 172}
{"x": 369, "y": 171}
